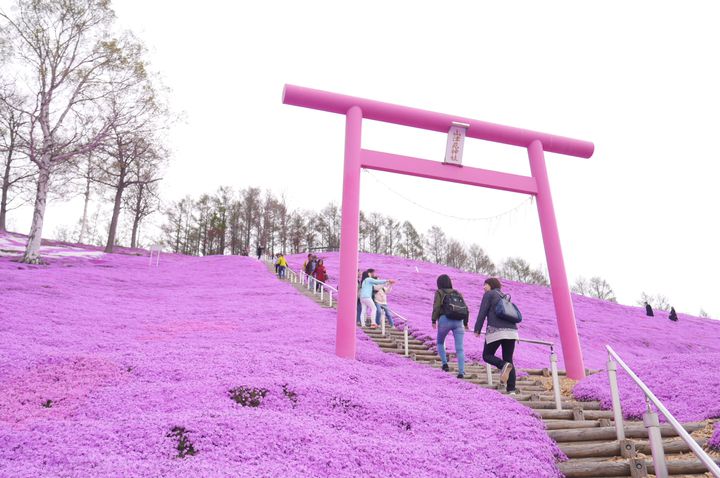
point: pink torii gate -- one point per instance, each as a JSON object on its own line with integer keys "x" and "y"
{"x": 355, "y": 109}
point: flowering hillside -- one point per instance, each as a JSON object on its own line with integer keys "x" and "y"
{"x": 212, "y": 367}
{"x": 689, "y": 382}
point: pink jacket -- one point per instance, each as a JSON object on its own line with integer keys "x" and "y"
{"x": 381, "y": 292}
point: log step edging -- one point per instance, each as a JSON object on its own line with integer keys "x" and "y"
{"x": 609, "y": 433}
{"x": 585, "y": 469}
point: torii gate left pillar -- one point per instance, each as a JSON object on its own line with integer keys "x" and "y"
{"x": 537, "y": 184}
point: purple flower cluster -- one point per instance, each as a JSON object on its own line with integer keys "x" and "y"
{"x": 714, "y": 442}
{"x": 686, "y": 384}
{"x": 110, "y": 367}
{"x": 687, "y": 381}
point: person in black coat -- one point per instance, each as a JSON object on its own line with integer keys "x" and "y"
{"x": 673, "y": 315}
{"x": 648, "y": 310}
{"x": 498, "y": 333}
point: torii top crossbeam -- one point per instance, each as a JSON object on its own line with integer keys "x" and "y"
{"x": 357, "y": 109}
{"x": 423, "y": 119}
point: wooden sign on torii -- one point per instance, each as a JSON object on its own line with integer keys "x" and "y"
{"x": 355, "y": 109}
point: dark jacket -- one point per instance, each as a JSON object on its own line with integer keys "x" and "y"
{"x": 487, "y": 310}
{"x": 438, "y": 301}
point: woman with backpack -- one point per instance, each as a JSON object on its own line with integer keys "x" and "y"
{"x": 499, "y": 333}
{"x": 450, "y": 311}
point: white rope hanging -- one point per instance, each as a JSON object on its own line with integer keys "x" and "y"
{"x": 528, "y": 200}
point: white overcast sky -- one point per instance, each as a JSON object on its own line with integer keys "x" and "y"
{"x": 639, "y": 79}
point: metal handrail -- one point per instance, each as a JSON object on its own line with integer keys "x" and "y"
{"x": 651, "y": 421}
{"x": 323, "y": 286}
{"x": 553, "y": 368}
{"x": 539, "y": 342}
{"x": 326, "y": 285}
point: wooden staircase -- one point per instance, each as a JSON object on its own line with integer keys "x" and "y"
{"x": 582, "y": 430}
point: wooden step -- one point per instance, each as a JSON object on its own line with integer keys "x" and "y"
{"x": 568, "y": 405}
{"x": 568, "y": 414}
{"x": 566, "y": 424}
{"x": 612, "y": 448}
{"x": 609, "y": 433}
{"x": 586, "y": 469}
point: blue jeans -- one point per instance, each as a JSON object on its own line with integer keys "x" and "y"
{"x": 388, "y": 314}
{"x": 359, "y": 309}
{"x": 445, "y": 326}
{"x": 281, "y": 271}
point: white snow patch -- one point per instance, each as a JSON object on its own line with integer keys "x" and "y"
{"x": 13, "y": 246}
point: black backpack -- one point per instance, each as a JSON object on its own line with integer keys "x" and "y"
{"x": 453, "y": 306}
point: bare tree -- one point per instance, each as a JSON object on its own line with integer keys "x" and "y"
{"x": 391, "y": 232}
{"x": 143, "y": 199}
{"x": 436, "y": 243}
{"x": 455, "y": 255}
{"x": 87, "y": 172}
{"x": 250, "y": 213}
{"x": 517, "y": 269}
{"x": 15, "y": 168}
{"x": 296, "y": 230}
{"x": 479, "y": 262}
{"x": 600, "y": 289}
{"x": 363, "y": 230}
{"x": 657, "y": 302}
{"x": 375, "y": 223}
{"x": 596, "y": 287}
{"x": 581, "y": 286}
{"x": 412, "y": 243}
{"x": 329, "y": 226}
{"x": 284, "y": 224}
{"x": 174, "y": 229}
{"x": 125, "y": 156}
{"x": 67, "y": 62}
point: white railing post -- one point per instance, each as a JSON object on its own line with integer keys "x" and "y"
{"x": 382, "y": 324}
{"x": 322, "y": 293}
{"x": 615, "y": 393}
{"x": 407, "y": 343}
{"x": 555, "y": 379}
{"x": 652, "y": 423}
{"x": 329, "y": 298}
{"x": 488, "y": 371}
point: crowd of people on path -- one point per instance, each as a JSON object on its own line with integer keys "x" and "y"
{"x": 316, "y": 271}
{"x": 451, "y": 314}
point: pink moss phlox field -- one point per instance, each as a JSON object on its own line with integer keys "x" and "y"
{"x": 637, "y": 338}
{"x": 103, "y": 358}
{"x": 687, "y": 385}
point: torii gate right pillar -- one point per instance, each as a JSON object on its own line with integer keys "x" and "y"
{"x": 565, "y": 314}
